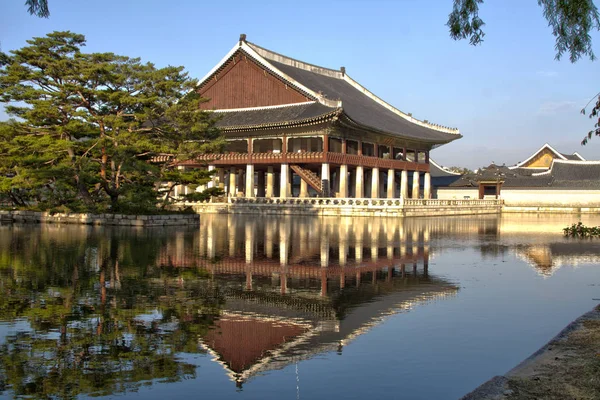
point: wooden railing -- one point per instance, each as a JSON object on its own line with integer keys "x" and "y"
{"x": 306, "y": 158}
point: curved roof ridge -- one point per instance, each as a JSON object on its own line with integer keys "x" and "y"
{"x": 575, "y": 162}
{"x": 274, "y": 56}
{"x": 443, "y": 168}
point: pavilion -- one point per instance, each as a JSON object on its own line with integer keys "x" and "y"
{"x": 294, "y": 129}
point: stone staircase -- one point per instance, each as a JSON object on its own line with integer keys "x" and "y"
{"x": 309, "y": 177}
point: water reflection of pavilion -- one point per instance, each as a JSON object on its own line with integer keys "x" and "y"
{"x": 546, "y": 259}
{"x": 296, "y": 290}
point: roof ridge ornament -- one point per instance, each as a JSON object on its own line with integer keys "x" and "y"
{"x": 242, "y": 38}
{"x": 343, "y": 70}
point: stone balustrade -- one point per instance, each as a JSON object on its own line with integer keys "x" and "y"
{"x": 347, "y": 206}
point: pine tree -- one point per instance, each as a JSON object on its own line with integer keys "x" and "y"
{"x": 89, "y": 127}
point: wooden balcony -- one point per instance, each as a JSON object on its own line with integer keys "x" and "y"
{"x": 239, "y": 159}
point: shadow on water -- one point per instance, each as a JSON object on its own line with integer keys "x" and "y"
{"x": 109, "y": 310}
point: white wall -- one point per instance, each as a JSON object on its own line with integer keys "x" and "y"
{"x": 457, "y": 194}
{"x": 550, "y": 198}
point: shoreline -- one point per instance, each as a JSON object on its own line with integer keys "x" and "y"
{"x": 567, "y": 367}
{"x": 99, "y": 219}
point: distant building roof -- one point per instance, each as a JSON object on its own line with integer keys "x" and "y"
{"x": 551, "y": 153}
{"x": 562, "y": 174}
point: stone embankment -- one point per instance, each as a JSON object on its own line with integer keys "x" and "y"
{"x": 99, "y": 219}
{"x": 567, "y": 367}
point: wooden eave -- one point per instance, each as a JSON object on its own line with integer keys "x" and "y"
{"x": 345, "y": 120}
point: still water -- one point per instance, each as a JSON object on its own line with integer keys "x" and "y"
{"x": 248, "y": 307}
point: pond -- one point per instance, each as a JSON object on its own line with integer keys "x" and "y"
{"x": 255, "y": 307}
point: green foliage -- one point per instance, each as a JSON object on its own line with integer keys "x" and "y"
{"x": 582, "y": 231}
{"x": 38, "y": 8}
{"x": 572, "y": 22}
{"x": 88, "y": 127}
{"x": 464, "y": 21}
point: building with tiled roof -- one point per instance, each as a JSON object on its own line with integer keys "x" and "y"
{"x": 548, "y": 179}
{"x": 295, "y": 129}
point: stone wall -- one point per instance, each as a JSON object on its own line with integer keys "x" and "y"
{"x": 99, "y": 219}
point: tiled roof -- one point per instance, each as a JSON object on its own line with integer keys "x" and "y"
{"x": 362, "y": 109}
{"x": 290, "y": 114}
{"x": 334, "y": 89}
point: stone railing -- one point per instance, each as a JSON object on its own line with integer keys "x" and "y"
{"x": 446, "y": 203}
{"x": 347, "y": 206}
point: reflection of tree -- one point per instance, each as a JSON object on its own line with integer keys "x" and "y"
{"x": 103, "y": 319}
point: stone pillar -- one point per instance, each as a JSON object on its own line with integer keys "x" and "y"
{"x": 221, "y": 178}
{"x": 391, "y": 184}
{"x": 232, "y": 191}
{"x": 325, "y": 175}
{"x": 240, "y": 182}
{"x": 270, "y": 192}
{"x": 284, "y": 190}
{"x": 211, "y": 183}
{"x": 404, "y": 184}
{"x": 375, "y": 183}
{"x": 415, "y": 186}
{"x": 360, "y": 177}
{"x": 249, "y": 180}
{"x": 427, "y": 186}
{"x": 260, "y": 184}
{"x": 303, "y": 188}
{"x": 344, "y": 181}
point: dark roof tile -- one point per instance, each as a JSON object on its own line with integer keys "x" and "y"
{"x": 272, "y": 115}
{"x": 361, "y": 108}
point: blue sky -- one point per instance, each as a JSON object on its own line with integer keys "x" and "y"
{"x": 508, "y": 96}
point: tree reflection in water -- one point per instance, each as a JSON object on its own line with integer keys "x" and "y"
{"x": 104, "y": 318}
